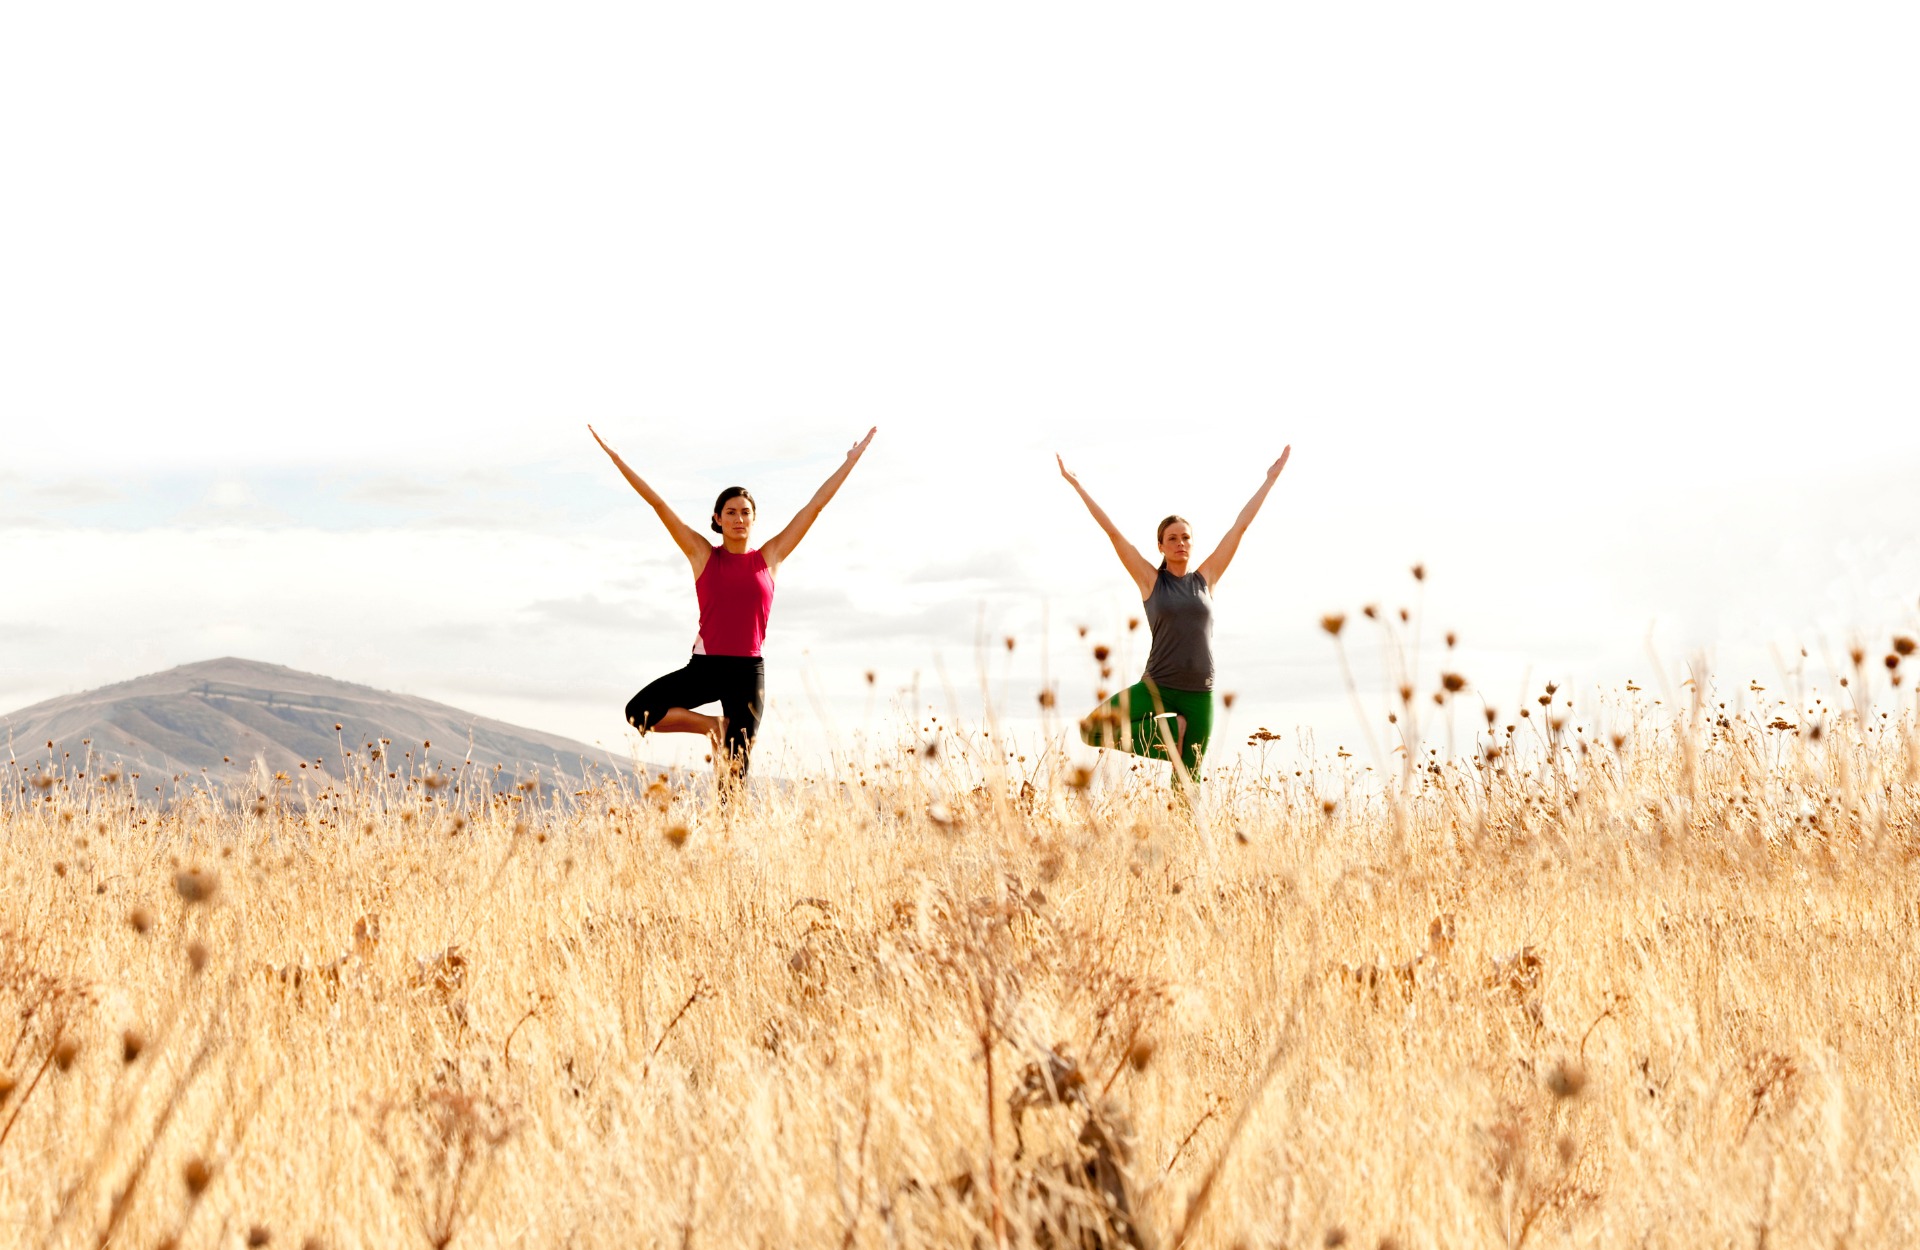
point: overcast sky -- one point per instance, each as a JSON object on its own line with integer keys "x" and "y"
{"x": 1607, "y": 315}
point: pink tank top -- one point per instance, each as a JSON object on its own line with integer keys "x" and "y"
{"x": 736, "y": 597}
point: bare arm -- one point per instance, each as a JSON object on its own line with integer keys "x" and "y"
{"x": 688, "y": 539}
{"x": 1216, "y": 564}
{"x": 781, "y": 545}
{"x": 1138, "y": 568}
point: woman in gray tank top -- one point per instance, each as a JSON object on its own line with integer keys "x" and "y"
{"x": 1168, "y": 713}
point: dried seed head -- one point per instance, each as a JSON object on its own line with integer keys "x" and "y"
{"x": 1453, "y": 639}
{"x": 1492, "y": 715}
{"x": 1419, "y": 572}
{"x": 1406, "y": 692}
{"x": 196, "y": 1175}
{"x": 1334, "y": 622}
{"x": 1452, "y": 683}
{"x": 1101, "y": 652}
{"x": 1336, "y": 1237}
{"x": 259, "y": 1235}
{"x": 1046, "y": 698}
{"x": 1226, "y": 699}
{"x": 140, "y": 919}
{"x": 194, "y": 886}
{"x": 1082, "y": 629}
{"x": 676, "y": 836}
{"x": 65, "y": 1051}
{"x": 1566, "y": 1080}
{"x": 1080, "y": 778}
{"x": 1903, "y": 645}
{"x": 1371, "y": 611}
{"x": 197, "y": 955}
{"x": 131, "y": 1044}
{"x": 1858, "y": 655}
{"x": 1140, "y": 1054}
{"x": 1327, "y": 807}
{"x": 1133, "y": 623}
{"x": 7, "y": 1086}
{"x": 870, "y": 677}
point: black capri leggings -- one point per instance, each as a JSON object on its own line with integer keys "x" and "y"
{"x": 737, "y": 682}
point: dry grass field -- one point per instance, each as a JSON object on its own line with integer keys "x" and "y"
{"x": 1642, "y": 975}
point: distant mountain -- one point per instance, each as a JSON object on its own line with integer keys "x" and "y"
{"x": 224, "y": 715}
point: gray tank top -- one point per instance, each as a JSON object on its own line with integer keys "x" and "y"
{"x": 1180, "y": 613}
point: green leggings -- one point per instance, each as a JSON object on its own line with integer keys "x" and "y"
{"x": 1136, "y": 720}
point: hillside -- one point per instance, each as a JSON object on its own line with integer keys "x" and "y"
{"x": 224, "y": 715}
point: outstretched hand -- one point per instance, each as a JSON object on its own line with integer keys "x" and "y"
{"x": 603, "y": 442}
{"x": 1281, "y": 463}
{"x": 1064, "y": 471}
{"x": 859, "y": 448}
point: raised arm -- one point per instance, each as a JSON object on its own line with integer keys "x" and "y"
{"x": 1139, "y": 569}
{"x": 781, "y": 545}
{"x": 1216, "y": 564}
{"x": 688, "y": 539}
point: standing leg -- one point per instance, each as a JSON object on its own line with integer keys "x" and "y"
{"x": 743, "y": 696}
{"x": 1196, "y": 728}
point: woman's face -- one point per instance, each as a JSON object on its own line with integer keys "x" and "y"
{"x": 1176, "y": 543}
{"x": 736, "y": 518}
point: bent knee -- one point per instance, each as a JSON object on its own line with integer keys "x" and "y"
{"x": 1105, "y": 726}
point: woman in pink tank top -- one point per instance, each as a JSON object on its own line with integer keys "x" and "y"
{"x": 734, "y": 583}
